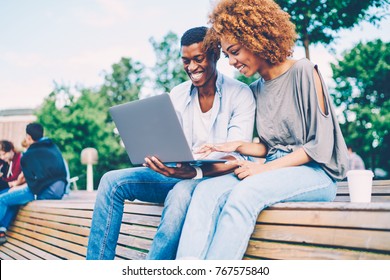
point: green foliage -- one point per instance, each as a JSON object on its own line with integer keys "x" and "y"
{"x": 362, "y": 88}
{"x": 245, "y": 79}
{"x": 317, "y": 21}
{"x": 77, "y": 118}
{"x": 123, "y": 84}
{"x": 168, "y": 68}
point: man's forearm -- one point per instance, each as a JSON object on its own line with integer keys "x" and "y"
{"x": 218, "y": 169}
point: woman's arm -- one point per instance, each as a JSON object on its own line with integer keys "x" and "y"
{"x": 244, "y": 148}
{"x": 247, "y": 168}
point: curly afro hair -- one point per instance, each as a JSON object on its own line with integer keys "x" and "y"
{"x": 261, "y": 26}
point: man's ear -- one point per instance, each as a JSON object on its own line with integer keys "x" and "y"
{"x": 29, "y": 140}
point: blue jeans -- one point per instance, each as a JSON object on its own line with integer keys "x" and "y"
{"x": 10, "y": 200}
{"x": 9, "y": 215}
{"x": 114, "y": 188}
{"x": 223, "y": 210}
{"x": 13, "y": 198}
{"x": 176, "y": 204}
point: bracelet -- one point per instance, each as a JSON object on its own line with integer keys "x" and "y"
{"x": 199, "y": 173}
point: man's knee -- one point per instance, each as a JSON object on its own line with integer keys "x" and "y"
{"x": 181, "y": 194}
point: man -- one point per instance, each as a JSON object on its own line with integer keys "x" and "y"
{"x": 212, "y": 108}
{"x": 44, "y": 171}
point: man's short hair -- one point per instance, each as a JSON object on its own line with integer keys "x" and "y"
{"x": 193, "y": 36}
{"x": 198, "y": 35}
{"x": 35, "y": 130}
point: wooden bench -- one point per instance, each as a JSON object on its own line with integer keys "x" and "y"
{"x": 336, "y": 230}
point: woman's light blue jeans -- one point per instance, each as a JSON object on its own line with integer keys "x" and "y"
{"x": 223, "y": 210}
{"x": 115, "y": 187}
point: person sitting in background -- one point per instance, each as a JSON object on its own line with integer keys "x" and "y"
{"x": 11, "y": 176}
{"x": 355, "y": 161}
{"x": 11, "y": 158}
{"x": 44, "y": 171}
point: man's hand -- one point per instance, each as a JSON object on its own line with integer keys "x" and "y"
{"x": 181, "y": 171}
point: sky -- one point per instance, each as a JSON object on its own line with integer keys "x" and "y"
{"x": 72, "y": 42}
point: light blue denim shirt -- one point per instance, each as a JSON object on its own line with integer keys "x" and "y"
{"x": 233, "y": 110}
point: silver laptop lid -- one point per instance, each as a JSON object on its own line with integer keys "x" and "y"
{"x": 150, "y": 127}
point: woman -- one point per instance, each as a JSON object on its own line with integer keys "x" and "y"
{"x": 11, "y": 176}
{"x": 300, "y": 137}
{"x": 11, "y": 157}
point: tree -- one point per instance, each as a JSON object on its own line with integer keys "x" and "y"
{"x": 168, "y": 68}
{"x": 77, "y": 118}
{"x": 317, "y": 21}
{"x": 362, "y": 88}
{"x": 124, "y": 82}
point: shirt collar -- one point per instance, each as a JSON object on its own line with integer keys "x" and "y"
{"x": 219, "y": 83}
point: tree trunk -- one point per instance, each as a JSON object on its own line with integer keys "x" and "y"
{"x": 306, "y": 43}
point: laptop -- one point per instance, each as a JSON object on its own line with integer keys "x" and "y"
{"x": 150, "y": 127}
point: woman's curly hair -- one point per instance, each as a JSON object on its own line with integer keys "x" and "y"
{"x": 259, "y": 25}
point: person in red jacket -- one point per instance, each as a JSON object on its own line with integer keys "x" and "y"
{"x": 11, "y": 175}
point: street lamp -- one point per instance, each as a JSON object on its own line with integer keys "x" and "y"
{"x": 89, "y": 156}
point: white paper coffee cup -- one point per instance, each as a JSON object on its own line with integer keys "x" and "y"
{"x": 360, "y": 185}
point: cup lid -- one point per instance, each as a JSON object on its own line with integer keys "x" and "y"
{"x": 360, "y": 172}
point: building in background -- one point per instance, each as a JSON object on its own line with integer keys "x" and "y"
{"x": 13, "y": 125}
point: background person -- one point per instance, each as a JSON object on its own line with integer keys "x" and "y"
{"x": 44, "y": 171}
{"x": 355, "y": 161}
{"x": 11, "y": 176}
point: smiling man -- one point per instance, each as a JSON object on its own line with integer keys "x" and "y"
{"x": 212, "y": 108}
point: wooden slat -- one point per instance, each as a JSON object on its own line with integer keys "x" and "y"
{"x": 140, "y": 231}
{"x": 12, "y": 254}
{"x": 334, "y": 237}
{"x": 69, "y": 246}
{"x": 30, "y": 245}
{"x": 21, "y": 251}
{"x": 274, "y": 250}
{"x": 77, "y": 229}
{"x": 61, "y": 219}
{"x": 374, "y": 183}
{"x": 134, "y": 242}
{"x": 129, "y": 253}
{"x": 352, "y": 219}
{"x": 75, "y": 238}
{"x": 336, "y": 206}
{"x": 49, "y": 244}
{"x": 60, "y": 212}
{"x": 4, "y": 256}
{"x": 141, "y": 220}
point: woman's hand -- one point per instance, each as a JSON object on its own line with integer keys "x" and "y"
{"x": 181, "y": 171}
{"x": 207, "y": 149}
{"x": 248, "y": 168}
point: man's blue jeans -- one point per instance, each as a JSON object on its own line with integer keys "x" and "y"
{"x": 224, "y": 210}
{"x": 115, "y": 187}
